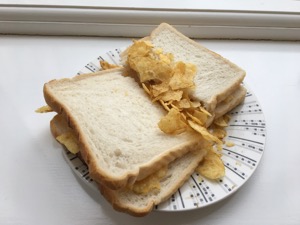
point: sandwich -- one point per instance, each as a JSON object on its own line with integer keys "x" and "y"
{"x": 140, "y": 131}
{"x": 218, "y": 82}
{"x": 109, "y": 121}
{"x": 139, "y": 199}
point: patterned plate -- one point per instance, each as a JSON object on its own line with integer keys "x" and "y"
{"x": 247, "y": 130}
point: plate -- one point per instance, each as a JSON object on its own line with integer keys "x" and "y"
{"x": 247, "y": 130}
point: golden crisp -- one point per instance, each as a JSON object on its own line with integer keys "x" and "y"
{"x": 150, "y": 183}
{"x": 142, "y": 59}
{"x": 139, "y": 49}
{"x": 146, "y": 89}
{"x": 219, "y": 132}
{"x": 184, "y": 104}
{"x": 158, "y": 89}
{"x": 105, "y": 65}
{"x": 229, "y": 144}
{"x": 172, "y": 123}
{"x": 151, "y": 69}
{"x": 205, "y": 111}
{"x": 201, "y": 116}
{"x": 195, "y": 119}
{"x": 171, "y": 96}
{"x": 211, "y": 166}
{"x": 44, "y": 109}
{"x": 220, "y": 122}
{"x": 196, "y": 105}
{"x": 204, "y": 132}
{"x": 183, "y": 76}
{"x": 165, "y": 105}
{"x": 70, "y": 141}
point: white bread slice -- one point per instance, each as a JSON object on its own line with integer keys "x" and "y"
{"x": 116, "y": 125}
{"x": 216, "y": 77}
{"x": 141, "y": 204}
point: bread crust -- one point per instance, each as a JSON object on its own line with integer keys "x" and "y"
{"x": 96, "y": 172}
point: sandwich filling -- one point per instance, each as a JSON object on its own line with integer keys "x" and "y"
{"x": 169, "y": 83}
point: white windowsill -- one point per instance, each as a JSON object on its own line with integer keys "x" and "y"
{"x": 275, "y": 20}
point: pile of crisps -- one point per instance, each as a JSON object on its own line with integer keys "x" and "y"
{"x": 169, "y": 83}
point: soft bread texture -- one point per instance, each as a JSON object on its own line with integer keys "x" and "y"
{"x": 216, "y": 77}
{"x": 141, "y": 204}
{"x": 127, "y": 201}
{"x": 116, "y": 124}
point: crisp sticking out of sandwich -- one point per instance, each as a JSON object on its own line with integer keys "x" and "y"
{"x": 116, "y": 125}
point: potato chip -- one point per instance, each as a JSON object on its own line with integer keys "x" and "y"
{"x": 151, "y": 69}
{"x": 183, "y": 115}
{"x": 171, "y": 96}
{"x": 195, "y": 104}
{"x": 184, "y": 104}
{"x": 143, "y": 66}
{"x": 221, "y": 122}
{"x": 205, "y": 111}
{"x": 158, "y": 89}
{"x": 175, "y": 107}
{"x": 105, "y": 65}
{"x": 158, "y": 51}
{"x": 142, "y": 59}
{"x": 211, "y": 166}
{"x": 165, "y": 105}
{"x": 150, "y": 183}
{"x": 166, "y": 58}
{"x": 44, "y": 109}
{"x": 229, "y": 144}
{"x": 139, "y": 49}
{"x": 195, "y": 119}
{"x": 146, "y": 88}
{"x": 204, "y": 132}
{"x": 219, "y": 132}
{"x": 172, "y": 123}
{"x": 70, "y": 141}
{"x": 200, "y": 116}
{"x": 183, "y": 76}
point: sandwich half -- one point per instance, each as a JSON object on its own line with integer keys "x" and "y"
{"x": 155, "y": 190}
{"x": 218, "y": 82}
{"x": 116, "y": 127}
